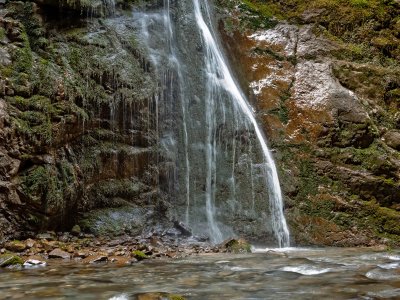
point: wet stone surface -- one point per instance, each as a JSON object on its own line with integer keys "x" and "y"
{"x": 53, "y": 249}
{"x": 288, "y": 273}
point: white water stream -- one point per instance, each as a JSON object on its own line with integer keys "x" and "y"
{"x": 214, "y": 160}
{"x": 219, "y": 76}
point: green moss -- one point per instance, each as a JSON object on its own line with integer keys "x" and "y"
{"x": 352, "y": 23}
{"x": 360, "y": 3}
{"x": 139, "y": 255}
{"x": 309, "y": 180}
{"x": 7, "y": 260}
{"x": 2, "y": 33}
{"x": 384, "y": 221}
{"x": 175, "y": 297}
{"x": 23, "y": 58}
{"x": 238, "y": 246}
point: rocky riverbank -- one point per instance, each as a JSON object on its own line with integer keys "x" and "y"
{"x": 75, "y": 247}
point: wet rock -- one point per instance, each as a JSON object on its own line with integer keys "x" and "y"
{"x": 118, "y": 260}
{"x": 7, "y": 260}
{"x": 81, "y": 254}
{"x": 392, "y": 139}
{"x": 185, "y": 230}
{"x": 236, "y": 246}
{"x": 95, "y": 259}
{"x": 46, "y": 236}
{"x": 30, "y": 243}
{"x": 34, "y": 263}
{"x": 158, "y": 296}
{"x": 76, "y": 230}
{"x": 48, "y": 245}
{"x": 139, "y": 255}
{"x": 58, "y": 253}
{"x": 15, "y": 246}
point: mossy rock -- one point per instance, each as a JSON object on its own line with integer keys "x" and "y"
{"x": 139, "y": 255}
{"x": 237, "y": 246}
{"x": 8, "y": 260}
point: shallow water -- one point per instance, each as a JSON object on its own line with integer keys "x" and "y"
{"x": 328, "y": 273}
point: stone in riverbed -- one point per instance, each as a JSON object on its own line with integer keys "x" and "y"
{"x": 121, "y": 260}
{"x": 95, "y": 259}
{"x": 158, "y": 296}
{"x": 34, "y": 263}
{"x": 76, "y": 230}
{"x": 236, "y": 246}
{"x": 7, "y": 260}
{"x": 15, "y": 246}
{"x": 30, "y": 243}
{"x": 139, "y": 255}
{"x": 58, "y": 253}
{"x": 46, "y": 236}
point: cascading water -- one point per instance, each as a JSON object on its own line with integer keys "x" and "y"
{"x": 219, "y": 76}
{"x": 214, "y": 159}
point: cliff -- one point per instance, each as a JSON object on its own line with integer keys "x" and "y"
{"x": 325, "y": 78}
{"x": 77, "y": 118}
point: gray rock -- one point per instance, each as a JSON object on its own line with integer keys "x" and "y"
{"x": 46, "y": 236}
{"x": 392, "y": 139}
{"x": 5, "y": 57}
{"x": 58, "y": 253}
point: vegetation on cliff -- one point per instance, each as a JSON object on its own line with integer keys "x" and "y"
{"x": 339, "y": 161}
{"x": 69, "y": 86}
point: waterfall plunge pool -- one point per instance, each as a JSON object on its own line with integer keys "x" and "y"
{"x": 287, "y": 273}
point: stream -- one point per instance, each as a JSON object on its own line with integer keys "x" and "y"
{"x": 287, "y": 273}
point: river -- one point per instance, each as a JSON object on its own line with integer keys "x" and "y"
{"x": 290, "y": 273}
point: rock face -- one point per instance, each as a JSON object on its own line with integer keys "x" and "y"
{"x": 332, "y": 120}
{"x": 77, "y": 119}
{"x": 79, "y": 128}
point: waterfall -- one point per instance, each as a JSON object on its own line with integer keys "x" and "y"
{"x": 177, "y": 66}
{"x": 214, "y": 160}
{"x": 219, "y": 76}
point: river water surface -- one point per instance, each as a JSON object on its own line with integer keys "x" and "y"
{"x": 293, "y": 273}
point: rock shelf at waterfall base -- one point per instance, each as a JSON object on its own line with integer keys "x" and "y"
{"x": 49, "y": 248}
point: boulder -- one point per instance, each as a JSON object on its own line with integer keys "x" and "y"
{"x": 392, "y": 139}
{"x": 236, "y": 246}
{"x": 7, "y": 260}
{"x": 76, "y": 230}
{"x": 58, "y": 253}
{"x": 34, "y": 263}
{"x": 15, "y": 246}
